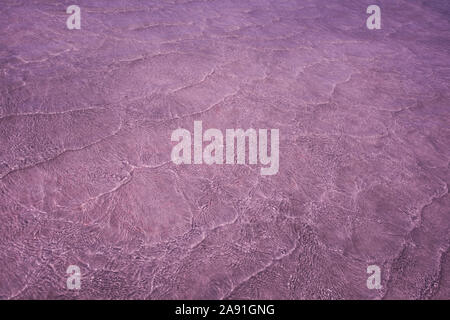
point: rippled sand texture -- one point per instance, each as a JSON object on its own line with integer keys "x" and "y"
{"x": 85, "y": 172}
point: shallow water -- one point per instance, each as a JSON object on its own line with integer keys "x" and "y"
{"x": 86, "y": 178}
